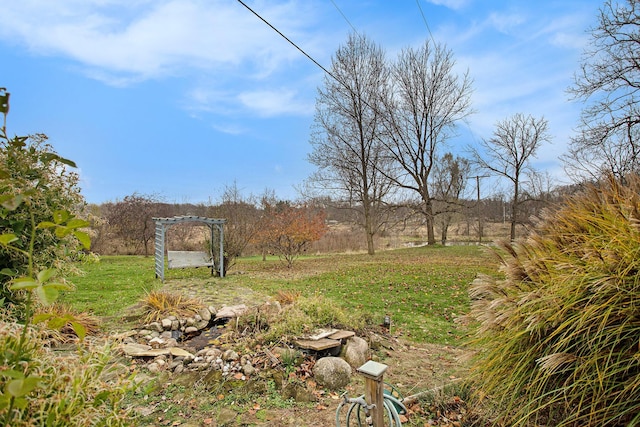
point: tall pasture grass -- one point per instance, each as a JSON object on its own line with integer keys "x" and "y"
{"x": 559, "y": 339}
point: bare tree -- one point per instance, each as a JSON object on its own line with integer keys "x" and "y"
{"x": 428, "y": 101}
{"x": 352, "y": 163}
{"x": 243, "y": 220}
{"x": 508, "y": 154}
{"x": 131, "y": 219}
{"x": 609, "y": 80}
{"x": 448, "y": 184}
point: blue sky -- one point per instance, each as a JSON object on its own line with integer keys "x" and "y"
{"x": 178, "y": 98}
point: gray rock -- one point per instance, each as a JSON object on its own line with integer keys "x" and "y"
{"x": 202, "y": 324}
{"x": 190, "y": 330}
{"x": 230, "y": 355}
{"x": 231, "y": 311}
{"x": 153, "y": 368}
{"x": 205, "y": 314}
{"x": 333, "y": 373}
{"x": 156, "y": 342}
{"x": 298, "y": 392}
{"x": 179, "y": 352}
{"x": 166, "y": 324}
{"x": 155, "y": 326}
{"x": 356, "y": 352}
{"x": 248, "y": 370}
{"x": 175, "y": 325}
{"x": 134, "y": 349}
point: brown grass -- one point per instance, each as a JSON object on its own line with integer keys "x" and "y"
{"x": 157, "y": 305}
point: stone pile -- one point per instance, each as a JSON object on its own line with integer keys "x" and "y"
{"x": 158, "y": 343}
{"x": 189, "y": 345}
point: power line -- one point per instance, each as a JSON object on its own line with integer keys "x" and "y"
{"x": 305, "y": 53}
{"x": 424, "y": 18}
{"x": 345, "y": 18}
{"x": 287, "y": 39}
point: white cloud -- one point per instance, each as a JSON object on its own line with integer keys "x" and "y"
{"x": 269, "y": 103}
{"x": 504, "y": 22}
{"x": 229, "y": 128}
{"x": 154, "y": 39}
{"x": 451, "y": 4}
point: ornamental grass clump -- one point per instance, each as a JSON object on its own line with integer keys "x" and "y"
{"x": 159, "y": 304}
{"x": 559, "y": 338}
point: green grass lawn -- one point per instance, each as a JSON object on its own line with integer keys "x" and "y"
{"x": 422, "y": 289}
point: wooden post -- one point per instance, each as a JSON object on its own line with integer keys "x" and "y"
{"x": 374, "y": 389}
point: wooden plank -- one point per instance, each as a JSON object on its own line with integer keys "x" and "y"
{"x": 341, "y": 335}
{"x": 321, "y": 333}
{"x": 317, "y": 345}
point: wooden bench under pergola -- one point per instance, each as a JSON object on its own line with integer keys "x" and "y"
{"x": 187, "y": 259}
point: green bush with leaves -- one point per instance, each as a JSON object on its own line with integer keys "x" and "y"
{"x": 36, "y": 187}
{"x": 559, "y": 337}
{"x": 37, "y": 232}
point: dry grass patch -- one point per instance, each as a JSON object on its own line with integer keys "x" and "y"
{"x": 157, "y": 305}
{"x": 66, "y": 321}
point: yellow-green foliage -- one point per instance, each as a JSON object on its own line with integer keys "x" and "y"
{"x": 159, "y": 304}
{"x": 70, "y": 388}
{"x": 309, "y": 313}
{"x": 559, "y": 338}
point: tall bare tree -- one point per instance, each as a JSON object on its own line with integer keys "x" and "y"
{"x": 609, "y": 81}
{"x": 428, "y": 101}
{"x": 352, "y": 163}
{"x": 509, "y": 152}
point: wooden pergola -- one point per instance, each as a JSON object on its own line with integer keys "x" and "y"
{"x": 182, "y": 259}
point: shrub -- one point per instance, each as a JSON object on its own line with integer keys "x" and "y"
{"x": 559, "y": 335}
{"x": 38, "y": 232}
{"x": 35, "y": 183}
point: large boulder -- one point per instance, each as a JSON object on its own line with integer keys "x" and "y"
{"x": 333, "y": 373}
{"x": 356, "y": 352}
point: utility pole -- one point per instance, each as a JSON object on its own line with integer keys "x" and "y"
{"x": 4, "y": 107}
